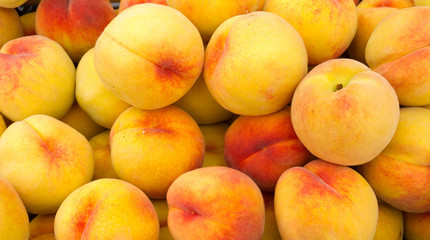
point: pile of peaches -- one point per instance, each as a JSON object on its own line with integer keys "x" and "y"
{"x": 215, "y": 119}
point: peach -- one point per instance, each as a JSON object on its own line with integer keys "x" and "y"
{"x": 261, "y": 5}
{"x": 151, "y": 148}
{"x": 422, "y": 2}
{"x": 150, "y": 55}
{"x": 2, "y": 125}
{"x": 79, "y": 120}
{"x": 14, "y": 222}
{"x": 213, "y": 135}
{"x": 123, "y": 4}
{"x": 417, "y": 225}
{"x": 208, "y": 15}
{"x": 271, "y": 231}
{"x": 370, "y": 13}
{"x": 390, "y": 223}
{"x": 327, "y": 27}
{"x": 95, "y": 99}
{"x": 400, "y": 175}
{"x": 75, "y": 25}
{"x": 323, "y": 200}
{"x": 38, "y": 77}
{"x": 106, "y": 209}
{"x": 10, "y": 25}
{"x": 28, "y": 21}
{"x": 398, "y": 49}
{"x": 217, "y": 203}
{"x": 48, "y": 236}
{"x": 162, "y": 210}
{"x": 251, "y": 69}
{"x": 264, "y": 147}
{"x": 200, "y": 104}
{"x": 102, "y": 160}
{"x": 10, "y": 4}
{"x": 45, "y": 160}
{"x": 344, "y": 113}
{"x": 42, "y": 224}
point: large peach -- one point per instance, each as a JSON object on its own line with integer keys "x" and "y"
{"x": 37, "y": 77}
{"x": 150, "y": 55}
{"x": 213, "y": 135}
{"x": 217, "y": 203}
{"x": 10, "y": 25}
{"x": 76, "y": 24}
{"x": 325, "y": 201}
{"x": 399, "y": 50}
{"x": 327, "y": 27}
{"x": 42, "y": 224}
{"x": 14, "y": 222}
{"x": 123, "y": 4}
{"x": 207, "y": 15}
{"x": 390, "y": 223}
{"x": 264, "y": 147}
{"x": 151, "y": 148}
{"x": 102, "y": 156}
{"x": 251, "y": 68}
{"x": 200, "y": 104}
{"x": 417, "y": 225}
{"x": 400, "y": 175}
{"x": 94, "y": 98}
{"x": 344, "y": 113}
{"x": 106, "y": 209}
{"x": 45, "y": 160}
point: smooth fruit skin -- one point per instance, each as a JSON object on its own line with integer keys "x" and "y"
{"x": 417, "y": 225}
{"x": 390, "y": 223}
{"x": 10, "y": 25}
{"x": 344, "y": 113}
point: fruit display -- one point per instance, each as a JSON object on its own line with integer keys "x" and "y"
{"x": 215, "y": 119}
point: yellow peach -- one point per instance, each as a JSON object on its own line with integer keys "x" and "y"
{"x": 79, "y": 120}
{"x": 325, "y": 201}
{"x": 2, "y": 125}
{"x": 251, "y": 69}
{"x": 45, "y": 160}
{"x": 106, "y": 209}
{"x": 10, "y": 25}
{"x": 271, "y": 231}
{"x": 213, "y": 135}
{"x": 390, "y": 223}
{"x": 42, "y": 224}
{"x": 10, "y": 4}
{"x": 417, "y": 225}
{"x": 123, "y": 4}
{"x": 28, "y": 21}
{"x": 422, "y": 2}
{"x": 162, "y": 210}
{"x": 102, "y": 156}
{"x": 150, "y": 55}
{"x": 48, "y": 236}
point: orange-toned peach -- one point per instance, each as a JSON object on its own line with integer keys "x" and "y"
{"x": 327, "y": 27}
{"x": 390, "y": 223}
{"x": 48, "y": 236}
{"x": 75, "y": 25}
{"x": 217, "y": 203}
{"x": 123, "y": 4}
{"x": 28, "y": 21}
{"x": 271, "y": 231}
{"x": 344, "y": 113}
{"x": 106, "y": 209}
{"x": 42, "y": 225}
{"x": 400, "y": 175}
{"x": 370, "y": 13}
{"x": 45, "y": 160}
{"x": 325, "y": 201}
{"x": 93, "y": 97}
{"x": 417, "y": 225}
{"x": 200, "y": 104}
{"x": 10, "y": 25}
{"x": 102, "y": 160}
{"x": 251, "y": 69}
{"x": 151, "y": 148}
{"x": 2, "y": 125}
{"x": 261, "y": 5}
{"x": 213, "y": 135}
{"x": 79, "y": 120}
{"x": 162, "y": 209}
{"x": 264, "y": 147}
{"x": 14, "y": 222}
{"x": 399, "y": 50}
{"x": 150, "y": 55}
{"x": 38, "y": 77}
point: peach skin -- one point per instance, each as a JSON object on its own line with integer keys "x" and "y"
{"x": 422, "y": 2}
{"x": 417, "y": 225}
{"x": 75, "y": 25}
{"x": 28, "y": 21}
{"x": 123, "y": 4}
{"x": 38, "y": 77}
{"x": 150, "y": 55}
{"x": 390, "y": 223}
{"x": 102, "y": 156}
{"x": 325, "y": 201}
{"x": 271, "y": 231}
{"x": 344, "y": 113}
{"x": 162, "y": 210}
{"x": 264, "y": 147}
{"x": 213, "y": 135}
{"x": 14, "y": 222}
{"x": 11, "y": 4}
{"x": 2, "y": 125}
{"x": 42, "y": 224}
{"x": 252, "y": 70}
{"x": 399, "y": 50}
{"x": 106, "y": 209}
{"x": 45, "y": 160}
{"x": 327, "y": 27}
{"x": 10, "y": 25}
{"x": 151, "y": 148}
{"x": 208, "y": 15}
{"x": 217, "y": 203}
{"x": 400, "y": 175}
